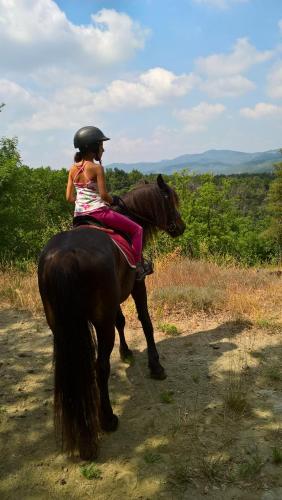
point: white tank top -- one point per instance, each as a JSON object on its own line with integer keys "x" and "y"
{"x": 88, "y": 198}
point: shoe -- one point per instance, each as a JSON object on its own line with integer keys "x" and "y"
{"x": 140, "y": 272}
{"x": 148, "y": 266}
{"x": 143, "y": 269}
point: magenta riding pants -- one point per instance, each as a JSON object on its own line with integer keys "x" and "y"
{"x": 118, "y": 221}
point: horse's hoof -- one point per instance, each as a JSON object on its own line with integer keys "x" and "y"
{"x": 127, "y": 357}
{"x": 111, "y": 424}
{"x": 88, "y": 452}
{"x": 158, "y": 373}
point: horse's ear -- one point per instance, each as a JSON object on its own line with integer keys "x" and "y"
{"x": 161, "y": 183}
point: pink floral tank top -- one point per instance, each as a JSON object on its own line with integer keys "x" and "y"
{"x": 88, "y": 198}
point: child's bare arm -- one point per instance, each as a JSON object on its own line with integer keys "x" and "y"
{"x": 70, "y": 191}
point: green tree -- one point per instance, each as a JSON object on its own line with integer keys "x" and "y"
{"x": 225, "y": 218}
{"x": 274, "y": 207}
{"x": 9, "y": 159}
{"x": 117, "y": 180}
{"x": 32, "y": 204}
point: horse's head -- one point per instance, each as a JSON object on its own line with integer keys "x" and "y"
{"x": 174, "y": 225}
{"x": 154, "y": 206}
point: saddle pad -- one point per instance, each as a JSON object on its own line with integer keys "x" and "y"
{"x": 118, "y": 240}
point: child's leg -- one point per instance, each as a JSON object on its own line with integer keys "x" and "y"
{"x": 118, "y": 221}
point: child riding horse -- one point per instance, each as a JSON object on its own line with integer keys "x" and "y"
{"x": 87, "y": 179}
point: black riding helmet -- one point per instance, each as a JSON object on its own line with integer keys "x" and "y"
{"x": 86, "y": 137}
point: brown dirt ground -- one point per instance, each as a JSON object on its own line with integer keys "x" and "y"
{"x": 177, "y": 439}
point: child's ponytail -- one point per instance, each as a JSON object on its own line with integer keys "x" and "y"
{"x": 94, "y": 148}
{"x": 78, "y": 156}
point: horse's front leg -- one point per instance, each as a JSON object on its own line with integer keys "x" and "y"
{"x": 139, "y": 295}
{"x": 126, "y": 354}
{"x": 106, "y": 338}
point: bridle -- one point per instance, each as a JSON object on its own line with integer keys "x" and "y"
{"x": 171, "y": 213}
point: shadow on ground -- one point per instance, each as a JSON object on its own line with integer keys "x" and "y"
{"x": 176, "y": 439}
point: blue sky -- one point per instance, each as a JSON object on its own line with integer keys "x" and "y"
{"x": 160, "y": 77}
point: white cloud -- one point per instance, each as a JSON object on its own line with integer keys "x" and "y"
{"x": 67, "y": 109}
{"x": 148, "y": 147}
{"x": 149, "y": 89}
{"x": 36, "y": 33}
{"x": 230, "y": 86}
{"x": 10, "y": 91}
{"x": 57, "y": 76}
{"x": 164, "y": 82}
{"x": 280, "y": 24}
{"x": 73, "y": 105}
{"x": 196, "y": 119}
{"x": 243, "y": 56}
{"x": 261, "y": 110}
{"x": 221, "y": 73}
{"x": 222, "y": 4}
{"x": 275, "y": 82}
{"x": 20, "y": 103}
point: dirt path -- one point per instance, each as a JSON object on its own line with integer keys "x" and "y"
{"x": 212, "y": 429}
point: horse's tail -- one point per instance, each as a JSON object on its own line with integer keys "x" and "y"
{"x": 76, "y": 397}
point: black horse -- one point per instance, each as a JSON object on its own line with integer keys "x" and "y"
{"x": 83, "y": 278}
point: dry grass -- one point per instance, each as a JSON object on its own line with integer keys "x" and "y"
{"x": 178, "y": 284}
{"x": 18, "y": 289}
{"x": 235, "y": 397}
{"x": 193, "y": 286}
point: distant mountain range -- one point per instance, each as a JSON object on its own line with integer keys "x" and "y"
{"x": 214, "y": 161}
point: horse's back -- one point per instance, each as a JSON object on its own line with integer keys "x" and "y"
{"x": 85, "y": 240}
{"x": 82, "y": 265}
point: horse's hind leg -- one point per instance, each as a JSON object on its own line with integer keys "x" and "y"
{"x": 106, "y": 337}
{"x": 126, "y": 354}
{"x": 139, "y": 295}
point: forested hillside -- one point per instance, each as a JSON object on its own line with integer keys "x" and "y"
{"x": 216, "y": 161}
{"x": 231, "y": 218}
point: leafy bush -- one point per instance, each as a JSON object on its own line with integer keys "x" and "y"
{"x": 235, "y": 218}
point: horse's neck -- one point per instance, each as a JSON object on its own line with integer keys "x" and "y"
{"x": 148, "y": 227}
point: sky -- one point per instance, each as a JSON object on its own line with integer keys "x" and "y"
{"x": 161, "y": 78}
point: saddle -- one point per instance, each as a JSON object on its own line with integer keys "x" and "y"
{"x": 119, "y": 238}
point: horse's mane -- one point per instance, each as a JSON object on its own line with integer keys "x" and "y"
{"x": 146, "y": 200}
